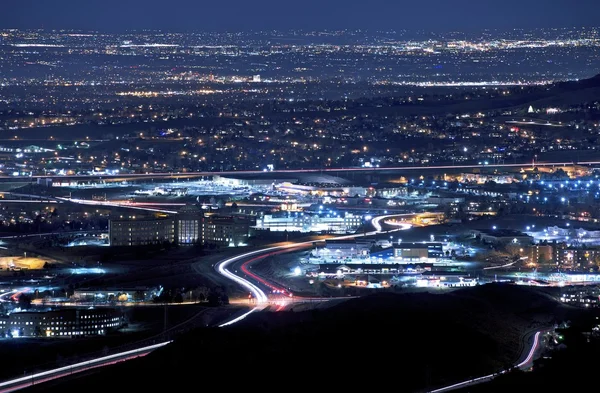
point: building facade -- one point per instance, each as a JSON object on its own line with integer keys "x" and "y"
{"x": 116, "y": 294}
{"x": 502, "y": 236}
{"x": 305, "y": 222}
{"x": 189, "y": 225}
{"x": 61, "y": 323}
{"x": 418, "y": 252}
{"x": 227, "y": 231}
{"x": 575, "y": 258}
{"x": 540, "y": 253}
{"x": 141, "y": 232}
{"x": 344, "y": 249}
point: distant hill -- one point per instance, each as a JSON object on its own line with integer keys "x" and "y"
{"x": 408, "y": 342}
{"x": 556, "y": 94}
{"x": 571, "y": 367}
{"x": 580, "y": 84}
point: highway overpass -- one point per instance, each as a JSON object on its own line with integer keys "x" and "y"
{"x": 288, "y": 172}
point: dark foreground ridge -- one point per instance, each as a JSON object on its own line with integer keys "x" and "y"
{"x": 412, "y": 341}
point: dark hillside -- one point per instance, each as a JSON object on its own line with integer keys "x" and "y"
{"x": 415, "y": 341}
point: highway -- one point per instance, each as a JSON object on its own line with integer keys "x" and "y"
{"x": 257, "y": 285}
{"x": 262, "y": 297}
{"x": 247, "y": 283}
{"x": 66, "y": 371}
{"x": 150, "y": 175}
{"x": 44, "y": 376}
{"x": 74, "y": 233}
{"x": 525, "y": 364}
{"x": 128, "y": 205}
{"x": 221, "y": 267}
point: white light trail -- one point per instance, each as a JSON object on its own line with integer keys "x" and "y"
{"x": 78, "y": 367}
{"x": 376, "y": 222}
{"x": 491, "y": 376}
{"x": 222, "y": 269}
{"x": 236, "y": 320}
{"x": 318, "y": 170}
{"x": 260, "y": 296}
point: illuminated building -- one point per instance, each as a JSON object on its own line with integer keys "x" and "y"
{"x": 416, "y": 252}
{"x": 141, "y": 232}
{"x": 502, "y": 236}
{"x": 540, "y": 253}
{"x": 343, "y": 249}
{"x": 61, "y": 323}
{"x": 116, "y": 294}
{"x": 229, "y": 231}
{"x": 304, "y": 222}
{"x": 189, "y": 225}
{"x": 574, "y": 257}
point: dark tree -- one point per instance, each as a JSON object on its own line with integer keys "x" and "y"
{"x": 24, "y": 301}
{"x": 178, "y": 298}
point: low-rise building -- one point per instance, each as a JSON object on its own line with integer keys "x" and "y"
{"x": 141, "y": 231}
{"x": 66, "y": 322}
{"x": 574, "y": 257}
{"x": 344, "y": 249}
{"x": 184, "y": 229}
{"x": 418, "y": 252}
{"x": 502, "y": 236}
{"x": 540, "y": 253}
{"x": 228, "y": 231}
{"x": 340, "y": 223}
{"x": 115, "y": 294}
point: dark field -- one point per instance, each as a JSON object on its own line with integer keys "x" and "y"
{"x": 411, "y": 341}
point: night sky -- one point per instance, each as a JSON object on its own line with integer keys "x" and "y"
{"x": 235, "y": 15}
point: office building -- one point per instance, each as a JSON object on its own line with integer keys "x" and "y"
{"x": 141, "y": 231}
{"x": 418, "y": 252}
{"x": 540, "y": 253}
{"x": 228, "y": 231}
{"x": 304, "y": 222}
{"x": 66, "y": 322}
{"x": 344, "y": 249}
{"x": 189, "y": 225}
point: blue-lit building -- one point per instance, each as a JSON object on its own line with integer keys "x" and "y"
{"x": 61, "y": 323}
{"x": 330, "y": 222}
{"x": 418, "y": 252}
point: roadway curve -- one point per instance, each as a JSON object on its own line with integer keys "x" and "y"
{"x": 526, "y": 363}
{"x": 221, "y": 267}
{"x": 254, "y": 286}
{"x": 262, "y": 297}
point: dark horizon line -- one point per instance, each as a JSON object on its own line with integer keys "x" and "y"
{"x": 304, "y": 30}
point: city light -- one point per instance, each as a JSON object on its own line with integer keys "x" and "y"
{"x": 273, "y": 171}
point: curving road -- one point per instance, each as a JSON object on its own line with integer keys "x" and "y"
{"x": 253, "y": 282}
{"x": 262, "y": 297}
{"x": 221, "y": 267}
{"x": 41, "y": 377}
{"x": 526, "y": 363}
